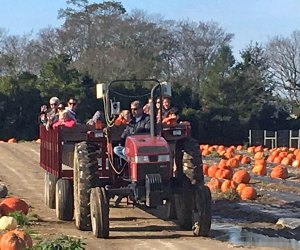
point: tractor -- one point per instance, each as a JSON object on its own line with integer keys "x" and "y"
{"x": 84, "y": 178}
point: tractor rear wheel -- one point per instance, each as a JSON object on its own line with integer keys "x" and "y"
{"x": 189, "y": 175}
{"x": 171, "y": 209}
{"x": 184, "y": 209}
{"x": 49, "y": 190}
{"x": 64, "y": 199}
{"x": 99, "y": 212}
{"x": 202, "y": 213}
{"x": 85, "y": 178}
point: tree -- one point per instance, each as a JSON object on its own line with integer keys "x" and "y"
{"x": 284, "y": 61}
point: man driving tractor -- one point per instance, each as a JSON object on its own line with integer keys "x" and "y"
{"x": 140, "y": 123}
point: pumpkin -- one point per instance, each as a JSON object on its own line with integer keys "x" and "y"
{"x": 211, "y": 172}
{"x": 245, "y": 160}
{"x": 259, "y": 155}
{"x": 296, "y": 163}
{"x": 241, "y": 176}
{"x": 214, "y": 185}
{"x": 248, "y": 193}
{"x": 12, "y": 204}
{"x": 279, "y": 171}
{"x": 227, "y": 185}
{"x": 239, "y": 147}
{"x": 224, "y": 173}
{"x": 260, "y": 169}
{"x": 240, "y": 187}
{"x": 232, "y": 162}
{"x": 286, "y": 161}
{"x": 8, "y": 223}
{"x": 16, "y": 240}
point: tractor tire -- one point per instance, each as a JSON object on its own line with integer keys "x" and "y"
{"x": 85, "y": 178}
{"x": 189, "y": 175}
{"x": 184, "y": 209}
{"x": 190, "y": 161}
{"x": 99, "y": 212}
{"x": 49, "y": 190}
{"x": 64, "y": 200}
{"x": 202, "y": 213}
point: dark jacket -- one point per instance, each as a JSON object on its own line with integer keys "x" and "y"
{"x": 134, "y": 127}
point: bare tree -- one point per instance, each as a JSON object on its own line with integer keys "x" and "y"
{"x": 284, "y": 61}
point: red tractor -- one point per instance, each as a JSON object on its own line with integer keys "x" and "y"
{"x": 164, "y": 167}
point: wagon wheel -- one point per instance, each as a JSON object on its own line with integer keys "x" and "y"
{"x": 99, "y": 212}
{"x": 64, "y": 199}
{"x": 49, "y": 190}
{"x": 202, "y": 214}
{"x": 85, "y": 178}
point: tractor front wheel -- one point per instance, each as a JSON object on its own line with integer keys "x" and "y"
{"x": 99, "y": 212}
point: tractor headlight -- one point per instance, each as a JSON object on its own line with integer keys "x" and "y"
{"x": 141, "y": 159}
{"x": 164, "y": 158}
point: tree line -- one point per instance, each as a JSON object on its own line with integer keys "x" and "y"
{"x": 99, "y": 42}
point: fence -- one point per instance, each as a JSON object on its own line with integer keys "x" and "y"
{"x": 274, "y": 139}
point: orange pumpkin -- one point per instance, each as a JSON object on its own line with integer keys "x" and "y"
{"x": 248, "y": 193}
{"x": 233, "y": 163}
{"x": 12, "y": 204}
{"x": 214, "y": 185}
{"x": 286, "y": 161}
{"x": 224, "y": 173}
{"x": 241, "y": 176}
{"x": 245, "y": 160}
{"x": 260, "y": 169}
{"x": 211, "y": 172}
{"x": 16, "y": 240}
{"x": 279, "y": 171}
{"x": 227, "y": 185}
{"x": 240, "y": 187}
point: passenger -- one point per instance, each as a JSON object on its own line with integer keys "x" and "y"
{"x": 146, "y": 107}
{"x": 124, "y": 118}
{"x": 139, "y": 123}
{"x": 61, "y": 109}
{"x": 166, "y": 106}
{"x": 98, "y": 116}
{"x": 52, "y": 114}
{"x": 157, "y": 106}
{"x": 171, "y": 117}
{"x": 65, "y": 120}
{"x": 71, "y": 108}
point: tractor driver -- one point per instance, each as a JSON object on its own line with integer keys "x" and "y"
{"x": 140, "y": 123}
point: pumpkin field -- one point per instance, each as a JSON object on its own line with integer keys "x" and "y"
{"x": 255, "y": 190}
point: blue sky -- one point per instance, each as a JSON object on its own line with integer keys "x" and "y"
{"x": 249, "y": 20}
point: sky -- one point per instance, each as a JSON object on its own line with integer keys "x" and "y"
{"x": 249, "y": 20}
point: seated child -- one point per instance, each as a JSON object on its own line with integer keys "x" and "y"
{"x": 65, "y": 119}
{"x": 123, "y": 118}
{"x": 171, "y": 117}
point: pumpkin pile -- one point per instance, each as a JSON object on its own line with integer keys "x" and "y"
{"x": 237, "y": 163}
{"x": 13, "y": 238}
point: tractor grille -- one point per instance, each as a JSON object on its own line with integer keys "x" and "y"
{"x": 150, "y": 149}
{"x": 162, "y": 169}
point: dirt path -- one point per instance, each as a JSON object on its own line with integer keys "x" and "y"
{"x": 131, "y": 228}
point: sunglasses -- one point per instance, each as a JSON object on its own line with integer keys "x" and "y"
{"x": 72, "y": 103}
{"x": 53, "y": 104}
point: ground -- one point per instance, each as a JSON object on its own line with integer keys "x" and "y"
{"x": 134, "y": 228}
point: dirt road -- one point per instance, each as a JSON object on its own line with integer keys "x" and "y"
{"x": 131, "y": 228}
